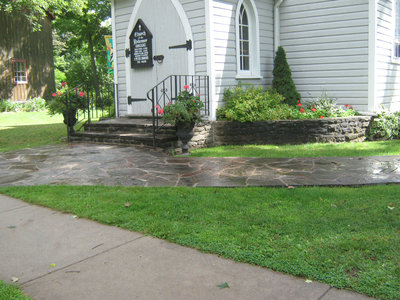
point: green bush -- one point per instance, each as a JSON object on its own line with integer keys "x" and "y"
{"x": 282, "y": 81}
{"x": 252, "y": 104}
{"x": 255, "y": 104}
{"x": 30, "y": 105}
{"x": 385, "y": 126}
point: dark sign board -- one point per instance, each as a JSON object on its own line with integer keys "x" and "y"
{"x": 141, "y": 41}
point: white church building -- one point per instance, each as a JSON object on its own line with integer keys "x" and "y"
{"x": 349, "y": 49}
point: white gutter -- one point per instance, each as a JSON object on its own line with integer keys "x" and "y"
{"x": 277, "y": 25}
{"x": 114, "y": 37}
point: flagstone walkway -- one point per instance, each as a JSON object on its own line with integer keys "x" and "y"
{"x": 92, "y": 164}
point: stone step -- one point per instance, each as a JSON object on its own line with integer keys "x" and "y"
{"x": 123, "y": 138}
{"x": 128, "y": 128}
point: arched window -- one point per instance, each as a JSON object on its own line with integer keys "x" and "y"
{"x": 247, "y": 41}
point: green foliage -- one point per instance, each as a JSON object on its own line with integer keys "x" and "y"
{"x": 252, "y": 104}
{"x": 282, "y": 81}
{"x": 185, "y": 110}
{"x": 75, "y": 99}
{"x": 385, "y": 126}
{"x": 345, "y": 237}
{"x": 34, "y": 10}
{"x": 30, "y": 105}
{"x": 328, "y": 107}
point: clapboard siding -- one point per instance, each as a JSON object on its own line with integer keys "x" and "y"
{"x": 326, "y": 43}
{"x": 123, "y": 12}
{"x": 387, "y": 75}
{"x": 224, "y": 44}
{"x": 19, "y": 42}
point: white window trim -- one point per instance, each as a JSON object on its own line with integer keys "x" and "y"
{"x": 395, "y": 59}
{"x": 254, "y": 47}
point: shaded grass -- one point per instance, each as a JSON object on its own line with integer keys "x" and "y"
{"x": 29, "y": 129}
{"x": 11, "y": 292}
{"x": 345, "y": 237}
{"x": 377, "y": 148}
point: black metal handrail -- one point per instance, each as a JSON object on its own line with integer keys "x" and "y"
{"x": 168, "y": 90}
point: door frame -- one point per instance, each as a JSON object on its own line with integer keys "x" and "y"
{"x": 189, "y": 36}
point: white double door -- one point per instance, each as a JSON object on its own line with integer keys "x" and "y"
{"x": 164, "y": 22}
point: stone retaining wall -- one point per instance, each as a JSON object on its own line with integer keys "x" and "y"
{"x": 346, "y": 129}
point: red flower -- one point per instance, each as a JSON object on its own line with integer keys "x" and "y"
{"x": 298, "y": 101}
{"x": 198, "y": 95}
{"x": 313, "y": 109}
{"x": 186, "y": 87}
{"x": 160, "y": 111}
{"x": 63, "y": 83}
{"x": 346, "y": 105}
{"x": 81, "y": 94}
{"x": 194, "y": 101}
{"x": 350, "y": 107}
{"x": 54, "y": 95}
{"x": 299, "y": 104}
{"x": 58, "y": 93}
{"x": 169, "y": 103}
{"x": 302, "y": 110}
{"x": 321, "y": 117}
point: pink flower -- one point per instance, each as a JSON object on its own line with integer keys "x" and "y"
{"x": 76, "y": 89}
{"x": 54, "y": 95}
{"x": 186, "y": 87}
{"x": 58, "y": 93}
{"x": 157, "y": 106}
{"x": 160, "y": 111}
{"x": 198, "y": 95}
{"x": 313, "y": 109}
{"x": 169, "y": 103}
{"x": 321, "y": 117}
{"x": 299, "y": 104}
{"x": 81, "y": 94}
{"x": 298, "y": 101}
{"x": 350, "y": 107}
{"x": 302, "y": 110}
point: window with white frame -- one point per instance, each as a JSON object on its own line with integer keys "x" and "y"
{"x": 19, "y": 71}
{"x": 247, "y": 41}
{"x": 396, "y": 49}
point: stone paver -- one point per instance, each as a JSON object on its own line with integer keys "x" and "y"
{"x": 91, "y": 164}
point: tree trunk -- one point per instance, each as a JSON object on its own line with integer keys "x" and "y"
{"x": 94, "y": 68}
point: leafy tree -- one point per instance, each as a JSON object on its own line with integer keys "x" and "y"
{"x": 83, "y": 35}
{"x": 34, "y": 10}
{"x": 283, "y": 82}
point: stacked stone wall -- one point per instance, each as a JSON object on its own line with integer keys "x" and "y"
{"x": 331, "y": 130}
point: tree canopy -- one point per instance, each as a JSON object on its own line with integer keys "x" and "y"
{"x": 36, "y": 9}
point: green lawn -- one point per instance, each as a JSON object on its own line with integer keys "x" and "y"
{"x": 305, "y": 150}
{"x": 345, "y": 237}
{"x": 20, "y": 130}
{"x": 11, "y": 292}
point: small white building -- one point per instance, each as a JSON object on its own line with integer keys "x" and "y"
{"x": 349, "y": 49}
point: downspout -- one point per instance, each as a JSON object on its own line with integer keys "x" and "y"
{"x": 277, "y": 25}
{"x": 114, "y": 39}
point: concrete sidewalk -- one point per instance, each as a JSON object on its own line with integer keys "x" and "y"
{"x": 58, "y": 256}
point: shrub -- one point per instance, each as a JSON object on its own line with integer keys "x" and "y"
{"x": 36, "y": 104}
{"x": 385, "y": 126}
{"x": 30, "y": 105}
{"x": 282, "y": 81}
{"x": 328, "y": 108}
{"x": 252, "y": 104}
